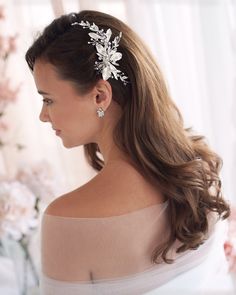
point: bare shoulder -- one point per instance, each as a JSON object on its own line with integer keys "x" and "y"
{"x": 108, "y": 194}
{"x": 59, "y": 206}
{"x": 73, "y": 203}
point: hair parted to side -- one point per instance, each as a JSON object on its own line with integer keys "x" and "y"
{"x": 150, "y": 131}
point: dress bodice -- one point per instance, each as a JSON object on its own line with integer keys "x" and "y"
{"x": 93, "y": 255}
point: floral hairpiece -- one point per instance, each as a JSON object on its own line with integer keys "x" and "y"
{"x": 106, "y": 51}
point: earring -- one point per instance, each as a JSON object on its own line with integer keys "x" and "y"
{"x": 100, "y": 112}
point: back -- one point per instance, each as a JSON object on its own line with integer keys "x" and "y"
{"x": 86, "y": 255}
{"x": 91, "y": 249}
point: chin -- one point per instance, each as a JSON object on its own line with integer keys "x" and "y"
{"x": 70, "y": 145}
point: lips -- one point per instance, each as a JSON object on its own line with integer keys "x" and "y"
{"x": 57, "y": 131}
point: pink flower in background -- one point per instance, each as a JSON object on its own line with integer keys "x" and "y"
{"x": 3, "y": 46}
{"x": 3, "y": 127}
{"x": 17, "y": 212}
{"x": 2, "y": 12}
{"x": 19, "y": 205}
{"x": 7, "y": 94}
{"x": 230, "y": 244}
{"x": 7, "y": 45}
{"x": 12, "y": 43}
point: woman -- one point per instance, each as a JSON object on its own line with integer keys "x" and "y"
{"x": 150, "y": 213}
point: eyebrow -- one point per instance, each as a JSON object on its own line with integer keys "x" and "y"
{"x": 42, "y": 92}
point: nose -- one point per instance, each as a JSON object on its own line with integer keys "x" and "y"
{"x": 43, "y": 116}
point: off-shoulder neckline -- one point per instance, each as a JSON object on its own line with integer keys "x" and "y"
{"x": 164, "y": 204}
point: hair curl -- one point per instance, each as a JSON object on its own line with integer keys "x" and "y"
{"x": 150, "y": 131}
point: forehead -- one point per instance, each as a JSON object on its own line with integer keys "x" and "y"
{"x": 44, "y": 75}
{"x": 47, "y": 80}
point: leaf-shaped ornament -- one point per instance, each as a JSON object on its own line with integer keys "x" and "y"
{"x": 116, "y": 56}
{"x": 101, "y": 50}
{"x": 106, "y": 73}
{"x": 111, "y": 51}
{"x": 108, "y": 35}
{"x": 113, "y": 68}
{"x": 94, "y": 27}
{"x": 94, "y": 36}
{"x": 82, "y": 23}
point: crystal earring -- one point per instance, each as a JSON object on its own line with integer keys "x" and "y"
{"x": 100, "y": 112}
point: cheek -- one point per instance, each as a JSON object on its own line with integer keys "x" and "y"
{"x": 63, "y": 113}
{"x": 76, "y": 119}
{"x": 79, "y": 116}
{"x": 85, "y": 123}
{"x": 82, "y": 113}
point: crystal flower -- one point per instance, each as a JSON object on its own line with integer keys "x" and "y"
{"x": 106, "y": 51}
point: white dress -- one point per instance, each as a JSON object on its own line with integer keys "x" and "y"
{"x": 112, "y": 255}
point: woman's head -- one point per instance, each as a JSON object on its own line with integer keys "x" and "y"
{"x": 73, "y": 114}
{"x": 63, "y": 65}
{"x": 143, "y": 121}
{"x": 65, "y": 50}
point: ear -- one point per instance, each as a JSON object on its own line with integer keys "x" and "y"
{"x": 102, "y": 94}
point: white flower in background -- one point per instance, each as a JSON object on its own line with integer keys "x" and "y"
{"x": 40, "y": 179}
{"x": 17, "y": 213}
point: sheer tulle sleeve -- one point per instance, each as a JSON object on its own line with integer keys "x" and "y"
{"x": 97, "y": 255}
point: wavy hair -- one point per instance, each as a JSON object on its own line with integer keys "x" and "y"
{"x": 150, "y": 131}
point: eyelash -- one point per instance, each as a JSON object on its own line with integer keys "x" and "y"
{"x": 47, "y": 101}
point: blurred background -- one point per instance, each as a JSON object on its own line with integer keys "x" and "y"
{"x": 194, "y": 43}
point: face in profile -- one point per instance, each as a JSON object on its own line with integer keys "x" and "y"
{"x": 72, "y": 115}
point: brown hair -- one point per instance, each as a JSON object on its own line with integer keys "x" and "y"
{"x": 150, "y": 130}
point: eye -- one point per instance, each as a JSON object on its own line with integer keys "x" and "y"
{"x": 47, "y": 101}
